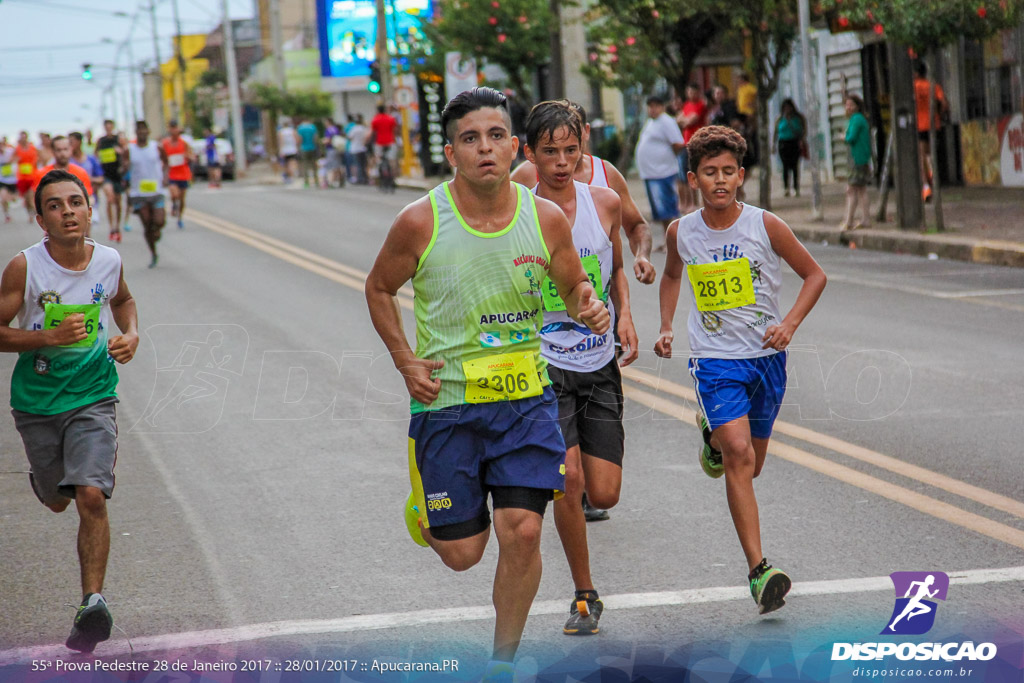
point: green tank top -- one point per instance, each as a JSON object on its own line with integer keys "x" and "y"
{"x": 478, "y": 305}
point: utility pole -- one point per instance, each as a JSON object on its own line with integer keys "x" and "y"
{"x": 158, "y": 126}
{"x": 278, "y": 42}
{"x": 909, "y": 207}
{"x": 811, "y": 107}
{"x": 382, "y": 53}
{"x": 236, "y": 104}
{"x": 556, "y": 69}
{"x": 181, "y": 65}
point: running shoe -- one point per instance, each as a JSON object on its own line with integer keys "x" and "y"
{"x": 412, "y": 521}
{"x": 127, "y": 227}
{"x": 115, "y": 236}
{"x": 926, "y": 194}
{"x": 768, "y": 587}
{"x": 92, "y": 624}
{"x": 181, "y": 224}
{"x": 710, "y": 458}
{"x": 591, "y": 513}
{"x": 152, "y": 264}
{"x": 584, "y": 614}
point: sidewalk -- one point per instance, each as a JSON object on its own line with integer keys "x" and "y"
{"x": 983, "y": 224}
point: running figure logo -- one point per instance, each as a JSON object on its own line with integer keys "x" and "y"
{"x": 914, "y": 612}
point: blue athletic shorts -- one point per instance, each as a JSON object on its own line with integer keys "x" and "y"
{"x": 458, "y": 454}
{"x": 661, "y": 193}
{"x": 729, "y": 389}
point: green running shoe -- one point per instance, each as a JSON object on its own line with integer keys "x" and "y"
{"x": 768, "y": 586}
{"x": 412, "y": 521}
{"x": 92, "y": 624}
{"x": 710, "y": 459}
{"x": 584, "y": 614}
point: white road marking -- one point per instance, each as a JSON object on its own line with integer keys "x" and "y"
{"x": 377, "y": 622}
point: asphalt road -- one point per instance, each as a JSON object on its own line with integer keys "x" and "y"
{"x": 262, "y": 470}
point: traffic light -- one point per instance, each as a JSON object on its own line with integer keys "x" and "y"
{"x": 87, "y": 71}
{"x": 374, "y": 84}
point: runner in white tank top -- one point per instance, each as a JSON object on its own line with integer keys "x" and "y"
{"x": 581, "y": 364}
{"x": 147, "y": 163}
{"x": 731, "y": 255}
{"x": 601, "y": 173}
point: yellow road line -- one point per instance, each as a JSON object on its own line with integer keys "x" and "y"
{"x": 929, "y": 506}
{"x": 355, "y": 279}
{"x": 921, "y": 474}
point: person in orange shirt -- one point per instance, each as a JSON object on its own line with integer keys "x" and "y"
{"x": 921, "y": 87}
{"x": 179, "y": 169}
{"x": 27, "y": 156}
{"x": 62, "y": 162}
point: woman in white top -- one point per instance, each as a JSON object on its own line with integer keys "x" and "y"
{"x": 288, "y": 149}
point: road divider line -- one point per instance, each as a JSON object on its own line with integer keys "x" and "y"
{"x": 921, "y": 474}
{"x": 377, "y": 622}
{"x": 967, "y": 298}
{"x": 237, "y": 231}
{"x": 917, "y": 501}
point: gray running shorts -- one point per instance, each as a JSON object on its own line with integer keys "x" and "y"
{"x": 74, "y": 448}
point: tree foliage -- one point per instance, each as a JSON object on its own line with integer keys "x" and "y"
{"x": 634, "y": 42}
{"x": 310, "y": 104}
{"x": 927, "y": 24}
{"x": 514, "y": 34}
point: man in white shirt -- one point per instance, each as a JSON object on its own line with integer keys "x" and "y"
{"x": 660, "y": 141}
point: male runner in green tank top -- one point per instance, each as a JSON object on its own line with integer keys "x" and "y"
{"x": 484, "y": 416}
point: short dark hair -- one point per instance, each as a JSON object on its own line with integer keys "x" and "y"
{"x": 580, "y": 111}
{"x": 75, "y": 135}
{"x": 470, "y": 101}
{"x": 141, "y": 122}
{"x": 710, "y": 141}
{"x": 173, "y": 123}
{"x": 58, "y": 176}
{"x": 106, "y": 121}
{"x": 57, "y": 138}
{"x": 655, "y": 99}
{"x": 547, "y": 117}
{"x": 922, "y": 69}
{"x": 381, "y": 109}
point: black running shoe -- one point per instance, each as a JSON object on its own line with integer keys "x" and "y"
{"x": 584, "y": 614}
{"x": 591, "y": 513}
{"x": 92, "y": 624}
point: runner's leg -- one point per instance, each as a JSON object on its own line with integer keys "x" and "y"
{"x": 517, "y": 577}
{"x": 93, "y": 537}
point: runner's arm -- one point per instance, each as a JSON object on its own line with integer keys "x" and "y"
{"x": 633, "y": 222}
{"x": 668, "y": 292}
{"x": 786, "y": 245}
{"x": 395, "y": 265}
{"x": 12, "y": 293}
{"x": 566, "y": 270}
{"x": 122, "y": 347}
{"x": 611, "y": 217}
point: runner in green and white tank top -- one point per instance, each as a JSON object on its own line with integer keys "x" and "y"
{"x": 478, "y": 305}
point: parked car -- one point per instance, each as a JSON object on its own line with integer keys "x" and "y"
{"x": 224, "y": 150}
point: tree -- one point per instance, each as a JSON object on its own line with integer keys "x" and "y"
{"x": 925, "y": 27}
{"x": 770, "y": 28}
{"x": 514, "y": 34}
{"x": 310, "y": 104}
{"x": 202, "y": 99}
{"x": 637, "y": 41}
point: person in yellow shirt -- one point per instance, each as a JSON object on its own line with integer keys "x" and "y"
{"x": 746, "y": 98}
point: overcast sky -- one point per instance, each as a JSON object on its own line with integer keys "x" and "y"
{"x": 45, "y": 43}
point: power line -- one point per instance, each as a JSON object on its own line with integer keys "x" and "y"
{"x": 74, "y": 46}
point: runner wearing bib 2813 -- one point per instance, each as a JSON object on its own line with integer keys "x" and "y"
{"x": 484, "y": 424}
{"x": 732, "y": 254}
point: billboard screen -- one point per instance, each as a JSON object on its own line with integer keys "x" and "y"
{"x": 348, "y": 32}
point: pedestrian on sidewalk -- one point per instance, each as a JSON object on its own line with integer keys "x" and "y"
{"x": 921, "y": 87}
{"x": 858, "y": 137}
{"x": 660, "y": 141}
{"x": 692, "y": 116}
{"x": 790, "y": 136}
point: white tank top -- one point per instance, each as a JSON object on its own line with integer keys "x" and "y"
{"x": 47, "y": 282}
{"x": 565, "y": 343}
{"x": 147, "y": 170}
{"x": 286, "y": 142}
{"x": 735, "y": 332}
{"x": 598, "y": 173}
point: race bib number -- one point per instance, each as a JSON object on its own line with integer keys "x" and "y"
{"x": 176, "y": 160}
{"x": 723, "y": 285}
{"x": 502, "y": 377}
{"x": 55, "y": 314}
{"x": 6, "y": 170}
{"x": 26, "y": 169}
{"x": 107, "y": 156}
{"x": 592, "y": 267}
{"x": 148, "y": 186}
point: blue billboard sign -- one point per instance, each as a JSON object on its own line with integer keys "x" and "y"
{"x": 348, "y": 32}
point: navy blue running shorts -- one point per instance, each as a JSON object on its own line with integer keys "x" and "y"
{"x": 457, "y": 455}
